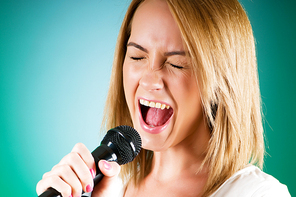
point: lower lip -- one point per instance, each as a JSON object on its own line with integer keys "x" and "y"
{"x": 152, "y": 130}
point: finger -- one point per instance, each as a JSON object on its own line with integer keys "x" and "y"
{"x": 81, "y": 170}
{"x": 56, "y": 183}
{"x": 109, "y": 169}
{"x": 66, "y": 173}
{"x": 85, "y": 154}
{"x": 106, "y": 186}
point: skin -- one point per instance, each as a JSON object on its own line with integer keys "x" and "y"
{"x": 73, "y": 173}
{"x": 163, "y": 73}
{"x": 150, "y": 73}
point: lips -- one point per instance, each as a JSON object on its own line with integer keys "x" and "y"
{"x": 154, "y": 115}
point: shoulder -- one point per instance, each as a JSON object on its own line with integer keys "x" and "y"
{"x": 251, "y": 181}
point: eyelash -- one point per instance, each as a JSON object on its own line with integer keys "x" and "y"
{"x": 176, "y": 66}
{"x": 141, "y": 58}
{"x": 137, "y": 58}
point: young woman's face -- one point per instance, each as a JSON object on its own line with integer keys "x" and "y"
{"x": 161, "y": 91}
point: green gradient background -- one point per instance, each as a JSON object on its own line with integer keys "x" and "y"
{"x": 55, "y": 62}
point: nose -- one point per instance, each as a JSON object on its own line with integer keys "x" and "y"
{"x": 152, "y": 80}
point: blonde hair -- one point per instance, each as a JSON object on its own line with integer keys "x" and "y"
{"x": 220, "y": 41}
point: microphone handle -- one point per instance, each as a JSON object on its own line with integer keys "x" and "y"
{"x": 101, "y": 152}
{"x": 50, "y": 192}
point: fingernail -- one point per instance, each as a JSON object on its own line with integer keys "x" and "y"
{"x": 89, "y": 188}
{"x": 92, "y": 173}
{"x": 107, "y": 166}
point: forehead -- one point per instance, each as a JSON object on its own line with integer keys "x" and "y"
{"x": 153, "y": 24}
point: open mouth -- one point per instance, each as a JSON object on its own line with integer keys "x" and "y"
{"x": 155, "y": 114}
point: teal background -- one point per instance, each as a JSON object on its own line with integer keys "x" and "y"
{"x": 55, "y": 63}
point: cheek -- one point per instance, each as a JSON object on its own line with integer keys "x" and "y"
{"x": 186, "y": 90}
{"x": 127, "y": 84}
{"x": 188, "y": 101}
{"x": 130, "y": 84}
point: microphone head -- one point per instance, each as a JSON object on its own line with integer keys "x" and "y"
{"x": 127, "y": 142}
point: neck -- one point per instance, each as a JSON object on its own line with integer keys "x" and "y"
{"x": 183, "y": 159}
{"x": 177, "y": 169}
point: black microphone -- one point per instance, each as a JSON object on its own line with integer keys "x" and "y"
{"x": 121, "y": 144}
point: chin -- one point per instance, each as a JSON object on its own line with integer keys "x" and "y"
{"x": 155, "y": 142}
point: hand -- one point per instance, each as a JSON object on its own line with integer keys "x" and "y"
{"x": 109, "y": 185}
{"x": 75, "y": 172}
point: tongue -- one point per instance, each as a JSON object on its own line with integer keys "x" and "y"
{"x": 158, "y": 117}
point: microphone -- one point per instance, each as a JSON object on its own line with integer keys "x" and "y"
{"x": 121, "y": 144}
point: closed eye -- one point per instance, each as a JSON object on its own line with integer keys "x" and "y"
{"x": 176, "y": 66}
{"x": 137, "y": 58}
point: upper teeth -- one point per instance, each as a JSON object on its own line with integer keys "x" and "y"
{"x": 154, "y": 104}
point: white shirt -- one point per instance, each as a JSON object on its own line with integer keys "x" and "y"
{"x": 248, "y": 182}
{"x": 251, "y": 182}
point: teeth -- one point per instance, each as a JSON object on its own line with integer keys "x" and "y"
{"x": 158, "y": 105}
{"x": 153, "y": 104}
{"x": 146, "y": 103}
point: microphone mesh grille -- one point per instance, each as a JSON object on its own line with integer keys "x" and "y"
{"x": 127, "y": 141}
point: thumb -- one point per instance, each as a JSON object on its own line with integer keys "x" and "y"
{"x": 110, "y": 184}
{"x": 109, "y": 169}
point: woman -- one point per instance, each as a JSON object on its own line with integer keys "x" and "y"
{"x": 185, "y": 77}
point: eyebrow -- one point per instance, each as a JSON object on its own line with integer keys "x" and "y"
{"x": 171, "y": 53}
{"x": 175, "y": 53}
{"x": 137, "y": 46}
